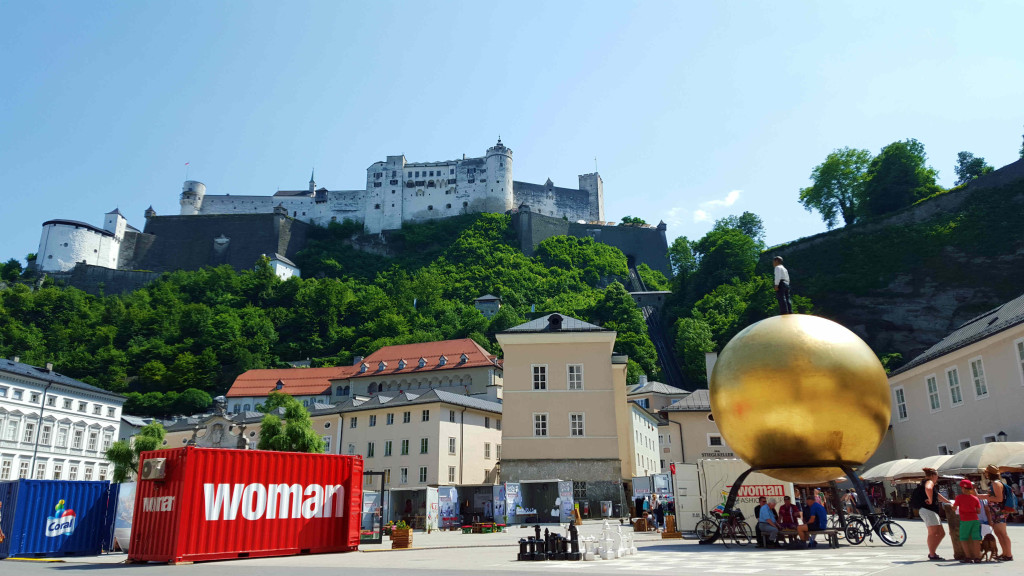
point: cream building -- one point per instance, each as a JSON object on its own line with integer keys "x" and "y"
{"x": 691, "y": 433}
{"x": 643, "y": 442}
{"x": 53, "y": 426}
{"x": 565, "y": 394}
{"x": 965, "y": 390}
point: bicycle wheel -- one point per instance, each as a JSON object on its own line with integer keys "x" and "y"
{"x": 725, "y": 533}
{"x": 856, "y": 531}
{"x": 741, "y": 534}
{"x": 835, "y": 524}
{"x": 892, "y": 533}
{"x": 706, "y": 530}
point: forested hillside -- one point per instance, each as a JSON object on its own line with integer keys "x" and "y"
{"x": 186, "y": 336}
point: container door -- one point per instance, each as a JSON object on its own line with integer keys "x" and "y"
{"x": 687, "y": 496}
{"x": 371, "y": 527}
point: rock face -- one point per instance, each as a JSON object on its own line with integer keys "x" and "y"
{"x": 905, "y": 281}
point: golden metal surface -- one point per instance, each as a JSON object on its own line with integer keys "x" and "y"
{"x": 797, "y": 395}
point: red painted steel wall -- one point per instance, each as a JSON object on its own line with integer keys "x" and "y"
{"x": 216, "y": 504}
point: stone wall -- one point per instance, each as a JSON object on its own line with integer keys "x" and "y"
{"x": 100, "y": 280}
{"x": 642, "y": 245}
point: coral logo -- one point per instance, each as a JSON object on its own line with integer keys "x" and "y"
{"x": 62, "y": 521}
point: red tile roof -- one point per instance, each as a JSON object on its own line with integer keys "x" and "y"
{"x": 297, "y": 381}
{"x": 452, "y": 350}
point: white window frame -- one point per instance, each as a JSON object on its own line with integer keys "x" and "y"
{"x": 569, "y": 377}
{"x": 978, "y": 379}
{"x": 6, "y": 467}
{"x": 423, "y": 475}
{"x": 487, "y": 450}
{"x": 327, "y": 444}
{"x": 370, "y": 450}
{"x": 1018, "y": 357}
{"x": 451, "y": 474}
{"x": 581, "y": 425}
{"x": 534, "y": 376}
{"x": 404, "y": 447}
{"x": 897, "y": 393}
{"x": 451, "y": 445}
{"x": 721, "y": 442}
{"x": 73, "y": 471}
{"x": 547, "y": 420}
{"x": 942, "y": 450}
{"x": 373, "y": 420}
{"x": 959, "y": 386}
{"x": 403, "y": 475}
{"x": 387, "y": 448}
{"x": 390, "y": 420}
{"x": 937, "y": 395}
{"x": 424, "y": 445}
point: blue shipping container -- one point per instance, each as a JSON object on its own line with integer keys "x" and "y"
{"x": 56, "y": 517}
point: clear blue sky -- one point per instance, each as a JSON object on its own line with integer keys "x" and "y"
{"x": 694, "y": 110}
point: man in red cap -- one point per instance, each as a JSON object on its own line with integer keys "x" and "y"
{"x": 968, "y": 506}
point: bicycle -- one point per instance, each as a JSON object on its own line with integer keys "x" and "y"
{"x": 729, "y": 526}
{"x": 860, "y": 527}
{"x": 839, "y": 524}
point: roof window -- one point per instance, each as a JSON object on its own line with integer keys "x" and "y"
{"x": 443, "y": 360}
{"x": 422, "y": 362}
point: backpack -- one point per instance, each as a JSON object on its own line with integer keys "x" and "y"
{"x": 918, "y": 497}
{"x": 1009, "y": 499}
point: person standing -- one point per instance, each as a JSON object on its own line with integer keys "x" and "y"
{"x": 968, "y": 506}
{"x": 996, "y": 515}
{"x": 782, "y": 286}
{"x": 926, "y": 498}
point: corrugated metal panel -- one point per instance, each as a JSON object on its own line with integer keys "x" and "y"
{"x": 55, "y": 517}
{"x": 216, "y": 504}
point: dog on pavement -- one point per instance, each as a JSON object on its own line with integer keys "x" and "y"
{"x": 989, "y": 550}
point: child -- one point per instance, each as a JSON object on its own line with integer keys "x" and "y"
{"x": 968, "y": 506}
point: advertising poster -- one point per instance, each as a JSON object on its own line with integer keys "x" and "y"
{"x": 498, "y": 493}
{"x": 565, "y": 501}
{"x": 662, "y": 484}
{"x": 514, "y": 500}
{"x": 123, "y": 515}
{"x": 448, "y": 502}
{"x": 641, "y": 486}
{"x": 433, "y": 510}
{"x": 371, "y": 511}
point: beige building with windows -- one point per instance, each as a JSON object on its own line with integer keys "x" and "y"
{"x": 691, "y": 433}
{"x": 643, "y": 442}
{"x": 565, "y": 396}
{"x": 654, "y": 395}
{"x": 965, "y": 390}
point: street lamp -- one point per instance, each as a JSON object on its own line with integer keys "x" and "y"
{"x": 1001, "y": 437}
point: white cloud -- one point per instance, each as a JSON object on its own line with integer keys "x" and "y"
{"x": 729, "y": 200}
{"x": 701, "y": 216}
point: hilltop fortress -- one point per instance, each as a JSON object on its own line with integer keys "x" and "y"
{"x": 234, "y": 229}
{"x": 398, "y": 191}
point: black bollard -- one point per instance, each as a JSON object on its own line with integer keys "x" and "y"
{"x": 522, "y": 550}
{"x": 574, "y": 543}
{"x": 542, "y": 548}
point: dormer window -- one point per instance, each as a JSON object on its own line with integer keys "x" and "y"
{"x": 463, "y": 359}
{"x": 422, "y": 362}
{"x": 401, "y": 364}
{"x": 382, "y": 365}
{"x": 279, "y": 385}
{"x": 363, "y": 367}
{"x": 443, "y": 360}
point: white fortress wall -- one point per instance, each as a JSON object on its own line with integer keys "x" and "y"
{"x": 61, "y": 246}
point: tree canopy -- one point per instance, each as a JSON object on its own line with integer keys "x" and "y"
{"x": 838, "y": 186}
{"x": 124, "y": 454}
{"x": 898, "y": 177}
{"x": 633, "y": 221}
{"x": 295, "y": 433}
{"x": 968, "y": 167}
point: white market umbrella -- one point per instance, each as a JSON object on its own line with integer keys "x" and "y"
{"x": 913, "y": 471}
{"x": 885, "y": 470}
{"x": 973, "y": 460}
{"x": 1012, "y": 463}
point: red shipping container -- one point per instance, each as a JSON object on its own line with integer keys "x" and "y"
{"x": 213, "y": 504}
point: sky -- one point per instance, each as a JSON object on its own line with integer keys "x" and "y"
{"x": 691, "y": 111}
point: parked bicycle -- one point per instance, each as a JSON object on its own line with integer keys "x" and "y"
{"x": 838, "y": 523}
{"x": 727, "y": 526}
{"x": 860, "y": 527}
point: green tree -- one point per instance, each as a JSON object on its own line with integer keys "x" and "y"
{"x": 838, "y": 186}
{"x": 693, "y": 340}
{"x": 633, "y": 221}
{"x": 192, "y": 401}
{"x": 968, "y": 167}
{"x": 124, "y": 454}
{"x": 748, "y": 223}
{"x": 10, "y": 271}
{"x": 898, "y": 177}
{"x": 295, "y": 434}
{"x": 681, "y": 257}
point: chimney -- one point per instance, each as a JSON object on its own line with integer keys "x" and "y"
{"x": 17, "y": 359}
{"x": 709, "y": 363}
{"x": 642, "y": 380}
{"x": 49, "y": 366}
{"x": 356, "y": 361}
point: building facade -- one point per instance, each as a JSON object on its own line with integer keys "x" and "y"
{"x": 65, "y": 243}
{"x": 643, "y": 442}
{"x": 53, "y": 426}
{"x": 565, "y": 400}
{"x": 690, "y": 433}
{"x": 965, "y": 390}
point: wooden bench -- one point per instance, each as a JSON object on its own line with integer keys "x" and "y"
{"x": 831, "y": 535}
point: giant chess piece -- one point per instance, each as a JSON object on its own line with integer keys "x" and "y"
{"x": 796, "y": 396}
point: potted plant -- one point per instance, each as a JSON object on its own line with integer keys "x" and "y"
{"x": 401, "y": 535}
{"x": 388, "y": 528}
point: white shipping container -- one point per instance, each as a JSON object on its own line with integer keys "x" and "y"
{"x": 700, "y": 487}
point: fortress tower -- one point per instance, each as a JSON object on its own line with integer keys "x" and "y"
{"x": 192, "y": 193}
{"x": 499, "y": 190}
{"x": 593, "y": 184}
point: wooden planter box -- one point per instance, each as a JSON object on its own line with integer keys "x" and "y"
{"x": 401, "y": 538}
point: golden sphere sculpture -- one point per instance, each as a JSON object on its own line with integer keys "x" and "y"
{"x": 797, "y": 395}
